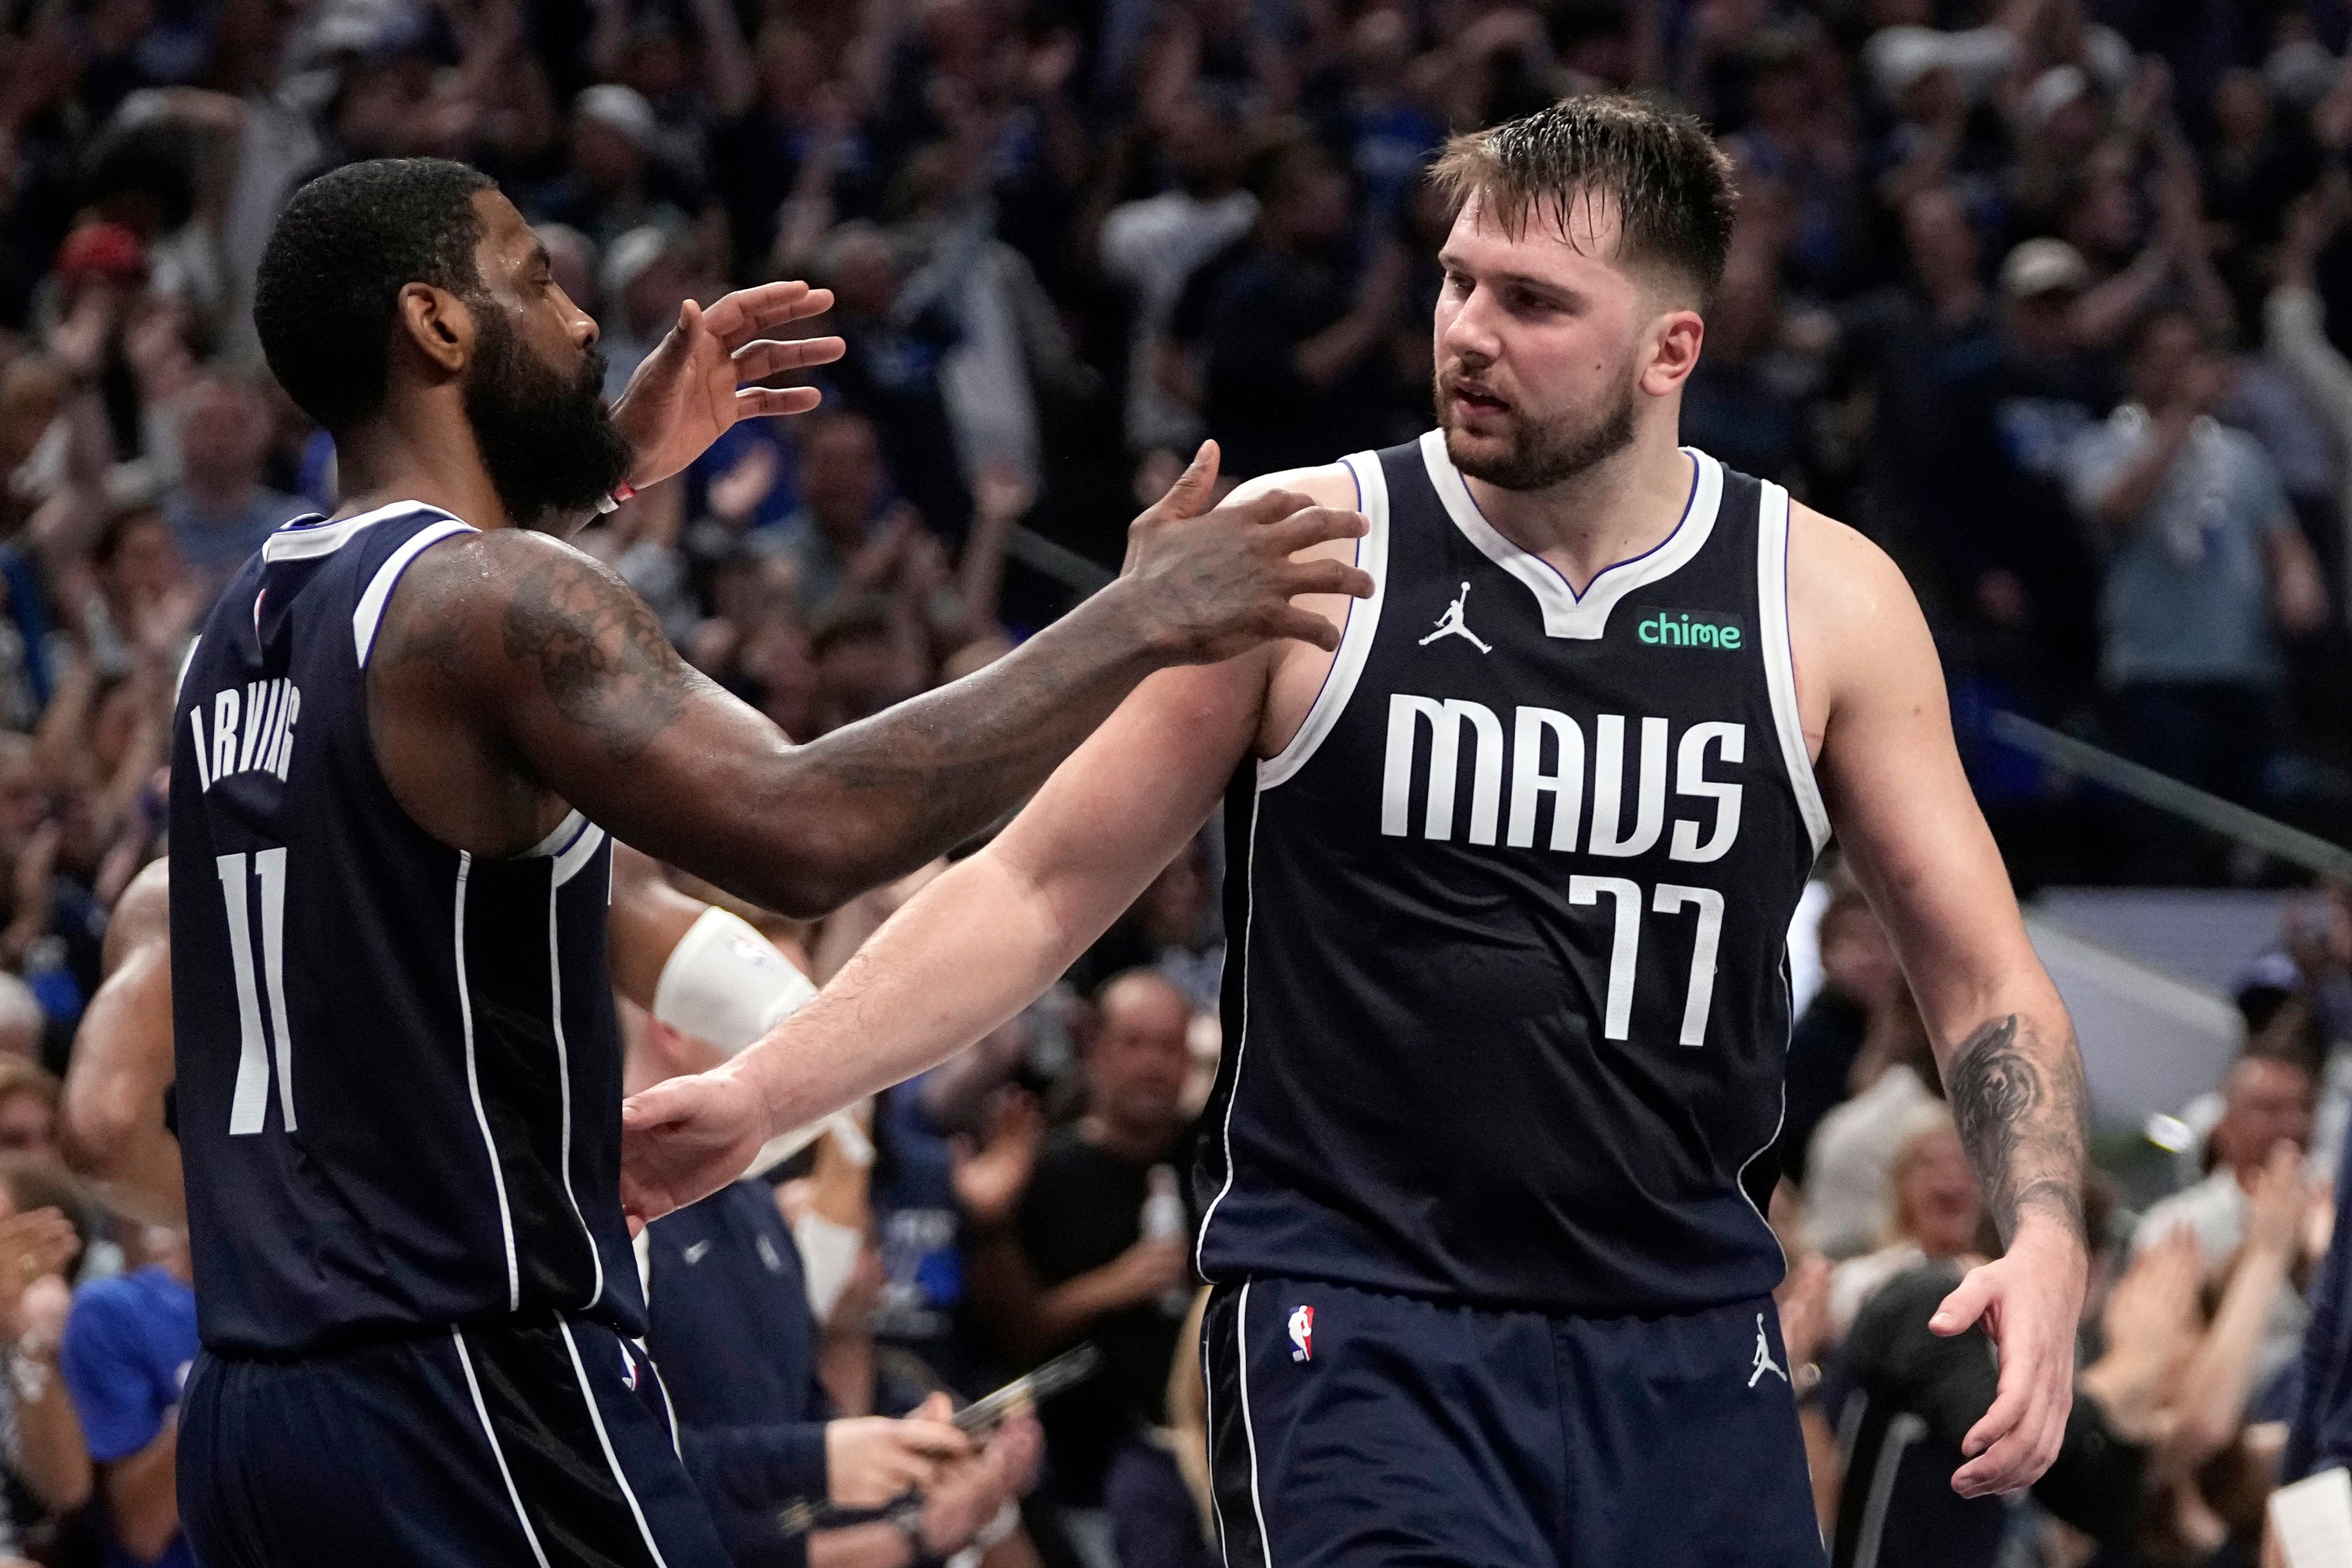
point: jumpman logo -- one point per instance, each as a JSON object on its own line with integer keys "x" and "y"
{"x": 1764, "y": 1362}
{"x": 1451, "y": 624}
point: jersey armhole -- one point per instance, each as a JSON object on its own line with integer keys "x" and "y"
{"x": 1780, "y": 662}
{"x": 1356, "y": 634}
{"x": 368, "y": 616}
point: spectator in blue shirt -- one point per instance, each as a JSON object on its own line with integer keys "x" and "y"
{"x": 126, "y": 1349}
{"x": 220, "y": 511}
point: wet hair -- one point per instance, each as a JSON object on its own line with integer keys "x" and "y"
{"x": 329, "y": 287}
{"x": 1670, "y": 183}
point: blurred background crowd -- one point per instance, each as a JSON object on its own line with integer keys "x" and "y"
{"x": 2052, "y": 298}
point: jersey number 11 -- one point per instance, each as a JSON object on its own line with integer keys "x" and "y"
{"x": 251, "y": 1102}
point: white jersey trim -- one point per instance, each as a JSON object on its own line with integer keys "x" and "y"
{"x": 1356, "y": 634}
{"x": 301, "y": 540}
{"x": 474, "y": 1087}
{"x": 559, "y": 839}
{"x": 1780, "y": 662}
{"x": 569, "y": 864}
{"x": 1249, "y": 1431}
{"x": 564, "y": 1064}
{"x": 1240, "y": 1046}
{"x": 369, "y": 614}
{"x": 596, "y": 1418}
{"x": 474, "y": 1387}
{"x": 1581, "y": 617}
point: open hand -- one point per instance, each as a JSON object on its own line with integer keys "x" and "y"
{"x": 686, "y": 1138}
{"x": 698, "y": 381}
{"x": 2029, "y": 1301}
{"x": 1218, "y": 583}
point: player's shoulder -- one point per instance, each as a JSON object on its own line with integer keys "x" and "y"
{"x": 1840, "y": 576}
{"x": 470, "y": 594}
{"x": 1324, "y": 484}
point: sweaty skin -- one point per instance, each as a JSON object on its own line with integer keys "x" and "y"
{"x": 1542, "y": 316}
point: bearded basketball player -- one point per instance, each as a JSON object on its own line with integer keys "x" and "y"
{"x": 404, "y": 742}
{"x": 1505, "y": 1006}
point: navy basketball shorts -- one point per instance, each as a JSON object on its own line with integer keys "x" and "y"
{"x": 1351, "y": 1429}
{"x": 546, "y": 1444}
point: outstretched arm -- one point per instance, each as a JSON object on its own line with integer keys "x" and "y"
{"x": 1891, "y": 777}
{"x": 972, "y": 948}
{"x": 111, "y": 1116}
{"x": 547, "y": 663}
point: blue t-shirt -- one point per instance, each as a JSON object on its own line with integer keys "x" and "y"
{"x": 125, "y": 1358}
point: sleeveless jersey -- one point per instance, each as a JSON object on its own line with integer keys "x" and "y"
{"x": 399, "y": 1065}
{"x": 1506, "y": 1006}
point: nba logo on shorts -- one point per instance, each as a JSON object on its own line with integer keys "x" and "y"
{"x": 1302, "y": 1333}
{"x": 628, "y": 1369}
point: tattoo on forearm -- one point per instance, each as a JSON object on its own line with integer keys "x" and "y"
{"x": 2017, "y": 1102}
{"x": 599, "y": 652}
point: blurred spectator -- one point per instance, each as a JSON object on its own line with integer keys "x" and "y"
{"x": 127, "y": 1347}
{"x": 1095, "y": 1250}
{"x": 1859, "y": 978}
{"x": 897, "y": 348}
{"x": 1174, "y": 930}
{"x": 2009, "y": 541}
{"x": 1937, "y": 1215}
{"x": 1153, "y": 245}
{"x": 44, "y": 1461}
{"x": 1898, "y": 1091}
{"x": 1292, "y": 331}
{"x": 29, "y": 1091}
{"x": 2205, "y": 567}
{"x": 220, "y": 511}
{"x": 2267, "y": 1106}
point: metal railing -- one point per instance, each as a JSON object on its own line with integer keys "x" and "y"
{"x": 2167, "y": 793}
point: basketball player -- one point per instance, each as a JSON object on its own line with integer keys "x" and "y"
{"x": 1505, "y": 1005}
{"x": 401, "y": 742}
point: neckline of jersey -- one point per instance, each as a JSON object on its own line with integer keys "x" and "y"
{"x": 1567, "y": 613}
{"x": 316, "y": 534}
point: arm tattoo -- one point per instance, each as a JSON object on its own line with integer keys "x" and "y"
{"x": 2019, "y": 1106}
{"x": 598, "y": 651}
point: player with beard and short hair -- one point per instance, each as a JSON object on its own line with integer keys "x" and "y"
{"x": 406, "y": 743}
{"x": 1510, "y": 875}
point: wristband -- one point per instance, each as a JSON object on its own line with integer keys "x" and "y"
{"x": 725, "y": 984}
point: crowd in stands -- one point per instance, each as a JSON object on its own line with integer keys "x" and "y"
{"x": 2052, "y": 298}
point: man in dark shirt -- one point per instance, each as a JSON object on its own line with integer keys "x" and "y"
{"x": 1100, "y": 1247}
{"x": 1296, "y": 339}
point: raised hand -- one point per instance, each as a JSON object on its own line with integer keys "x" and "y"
{"x": 1214, "y": 583}
{"x": 991, "y": 1177}
{"x": 699, "y": 380}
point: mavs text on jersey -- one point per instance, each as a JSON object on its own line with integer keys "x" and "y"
{"x": 1506, "y": 1016}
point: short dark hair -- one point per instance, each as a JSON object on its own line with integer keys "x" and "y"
{"x": 1671, "y": 183}
{"x": 331, "y": 274}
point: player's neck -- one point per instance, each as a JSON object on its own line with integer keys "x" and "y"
{"x": 420, "y": 455}
{"x": 1620, "y": 508}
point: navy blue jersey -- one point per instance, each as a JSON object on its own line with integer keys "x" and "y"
{"x": 1507, "y": 1011}
{"x": 399, "y": 1065}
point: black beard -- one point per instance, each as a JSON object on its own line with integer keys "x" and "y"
{"x": 1539, "y": 458}
{"x": 547, "y": 440}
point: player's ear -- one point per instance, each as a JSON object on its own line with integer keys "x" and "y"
{"x": 1672, "y": 343}
{"x": 436, "y": 325}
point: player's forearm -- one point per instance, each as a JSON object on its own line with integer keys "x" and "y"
{"x": 884, "y": 796}
{"x": 2015, "y": 1084}
{"x": 966, "y": 954}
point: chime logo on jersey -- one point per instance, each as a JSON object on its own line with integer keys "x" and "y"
{"x": 1302, "y": 1333}
{"x": 1543, "y": 756}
